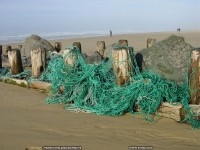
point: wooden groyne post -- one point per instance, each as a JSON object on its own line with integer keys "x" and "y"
{"x": 123, "y": 42}
{"x": 78, "y": 45}
{"x": 8, "y": 48}
{"x": 58, "y": 46}
{"x": 122, "y": 65}
{"x": 69, "y": 56}
{"x": 100, "y": 47}
{"x": 150, "y": 42}
{"x": 194, "y": 76}
{"x": 15, "y": 60}
{"x": 19, "y": 47}
{"x": 0, "y": 56}
{"x": 38, "y": 60}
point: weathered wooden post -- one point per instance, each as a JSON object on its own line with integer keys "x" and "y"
{"x": 19, "y": 47}
{"x": 122, "y": 65}
{"x": 15, "y": 61}
{"x": 123, "y": 42}
{"x": 78, "y": 45}
{"x": 57, "y": 46}
{"x": 194, "y": 76}
{"x": 69, "y": 56}
{"x": 38, "y": 60}
{"x": 8, "y": 48}
{"x": 0, "y": 56}
{"x": 100, "y": 46}
{"x": 150, "y": 42}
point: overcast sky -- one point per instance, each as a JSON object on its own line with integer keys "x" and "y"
{"x": 48, "y": 16}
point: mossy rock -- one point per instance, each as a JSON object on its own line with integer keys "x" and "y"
{"x": 169, "y": 58}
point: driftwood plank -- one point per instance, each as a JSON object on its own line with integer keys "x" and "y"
{"x": 19, "y": 82}
{"x": 171, "y": 111}
{"x": 40, "y": 85}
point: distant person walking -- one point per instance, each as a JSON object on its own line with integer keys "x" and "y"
{"x": 178, "y": 30}
{"x": 110, "y": 33}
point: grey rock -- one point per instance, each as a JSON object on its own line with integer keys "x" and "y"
{"x": 168, "y": 58}
{"x": 34, "y": 42}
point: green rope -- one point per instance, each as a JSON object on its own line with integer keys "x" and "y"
{"x": 93, "y": 88}
{"x": 5, "y": 73}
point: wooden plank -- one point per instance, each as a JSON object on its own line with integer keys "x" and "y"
{"x": 40, "y": 85}
{"x": 19, "y": 82}
{"x": 173, "y": 111}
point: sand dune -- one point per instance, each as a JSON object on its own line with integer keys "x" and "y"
{"x": 26, "y": 121}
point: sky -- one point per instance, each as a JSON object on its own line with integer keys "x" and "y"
{"x": 19, "y": 17}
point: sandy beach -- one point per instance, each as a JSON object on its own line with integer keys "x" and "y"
{"x": 137, "y": 40}
{"x": 26, "y": 121}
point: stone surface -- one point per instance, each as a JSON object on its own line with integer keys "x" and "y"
{"x": 168, "y": 58}
{"x": 34, "y": 42}
{"x": 95, "y": 58}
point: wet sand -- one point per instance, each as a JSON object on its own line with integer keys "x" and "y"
{"x": 26, "y": 121}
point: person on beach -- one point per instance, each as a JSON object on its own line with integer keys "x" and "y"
{"x": 110, "y": 33}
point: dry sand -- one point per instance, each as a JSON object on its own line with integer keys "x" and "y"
{"x": 26, "y": 121}
{"x": 138, "y": 41}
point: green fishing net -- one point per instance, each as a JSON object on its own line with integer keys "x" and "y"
{"x": 92, "y": 87}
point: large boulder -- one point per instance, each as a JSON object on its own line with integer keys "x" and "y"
{"x": 169, "y": 58}
{"x": 34, "y": 42}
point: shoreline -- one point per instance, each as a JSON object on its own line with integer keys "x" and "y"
{"x": 63, "y": 35}
{"x": 136, "y": 40}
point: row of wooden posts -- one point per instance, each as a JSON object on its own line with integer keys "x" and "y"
{"x": 58, "y": 47}
{"x": 121, "y": 63}
{"x": 121, "y": 68}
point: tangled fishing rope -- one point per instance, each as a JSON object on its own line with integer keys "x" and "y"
{"x": 92, "y": 87}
